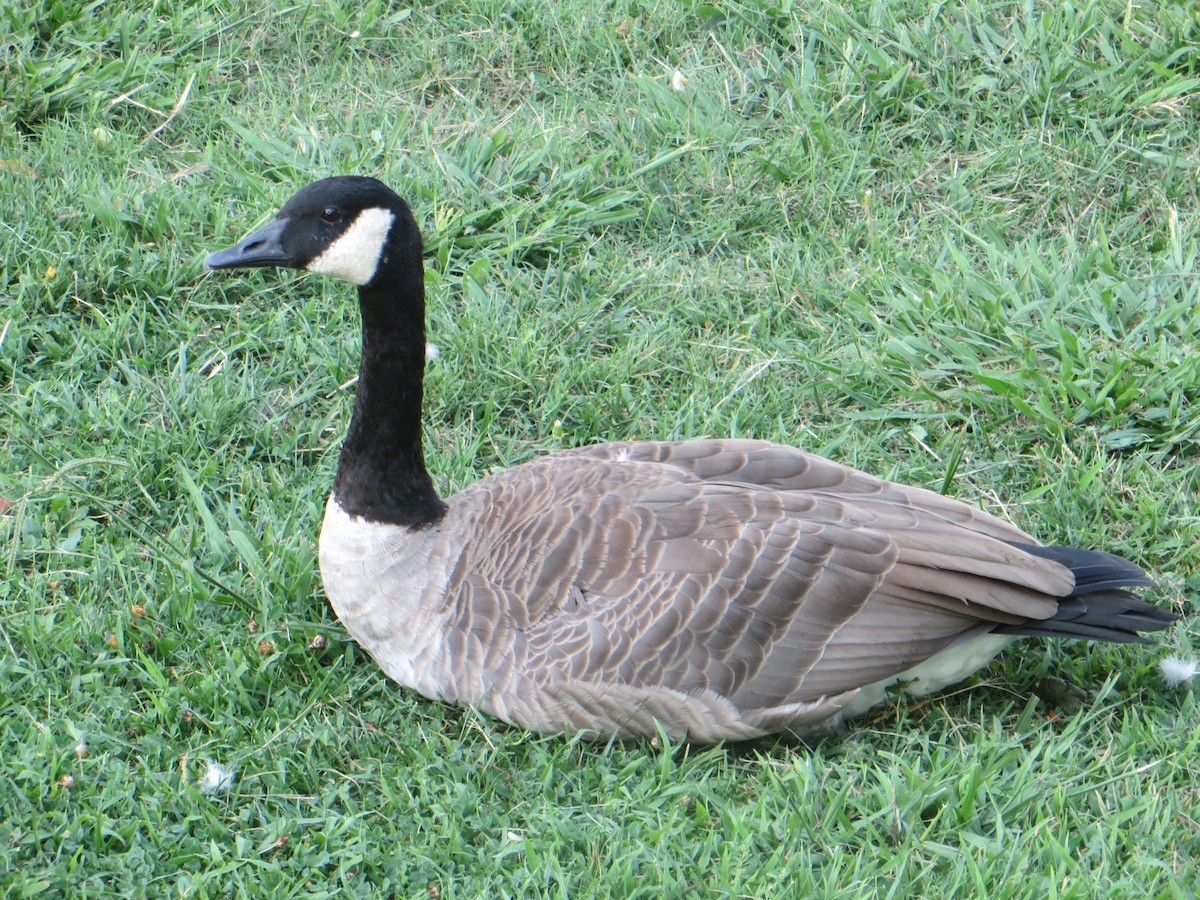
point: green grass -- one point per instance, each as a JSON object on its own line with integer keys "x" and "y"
{"x": 953, "y": 245}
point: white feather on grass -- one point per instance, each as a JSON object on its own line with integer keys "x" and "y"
{"x": 217, "y": 779}
{"x": 1177, "y": 670}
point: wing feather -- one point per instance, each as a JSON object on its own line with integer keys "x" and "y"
{"x": 772, "y": 580}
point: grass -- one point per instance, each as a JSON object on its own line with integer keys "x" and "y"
{"x": 953, "y": 245}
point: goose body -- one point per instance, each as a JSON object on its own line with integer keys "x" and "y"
{"x": 716, "y": 589}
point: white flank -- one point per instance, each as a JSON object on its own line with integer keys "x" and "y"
{"x": 354, "y": 256}
{"x": 941, "y": 670}
{"x": 1177, "y": 670}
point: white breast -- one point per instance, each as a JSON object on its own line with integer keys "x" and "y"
{"x": 385, "y": 583}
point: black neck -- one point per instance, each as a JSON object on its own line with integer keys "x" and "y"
{"x": 381, "y": 474}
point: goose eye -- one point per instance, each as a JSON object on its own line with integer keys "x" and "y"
{"x": 331, "y": 214}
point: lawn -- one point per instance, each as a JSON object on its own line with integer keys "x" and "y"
{"x": 952, "y": 244}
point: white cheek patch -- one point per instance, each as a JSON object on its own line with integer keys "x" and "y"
{"x": 355, "y": 255}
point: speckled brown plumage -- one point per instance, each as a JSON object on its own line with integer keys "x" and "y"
{"x": 718, "y": 589}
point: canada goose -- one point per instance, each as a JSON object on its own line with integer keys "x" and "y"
{"x": 717, "y": 589}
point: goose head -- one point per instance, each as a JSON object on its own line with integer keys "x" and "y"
{"x": 358, "y": 230}
{"x": 349, "y": 227}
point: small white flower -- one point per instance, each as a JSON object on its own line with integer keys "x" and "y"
{"x": 1177, "y": 670}
{"x": 431, "y": 352}
{"x": 216, "y": 779}
{"x": 678, "y": 81}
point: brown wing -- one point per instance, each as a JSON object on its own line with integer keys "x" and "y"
{"x": 757, "y": 573}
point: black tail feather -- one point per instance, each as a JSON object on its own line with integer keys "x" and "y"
{"x": 1094, "y": 570}
{"x": 1098, "y": 609}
